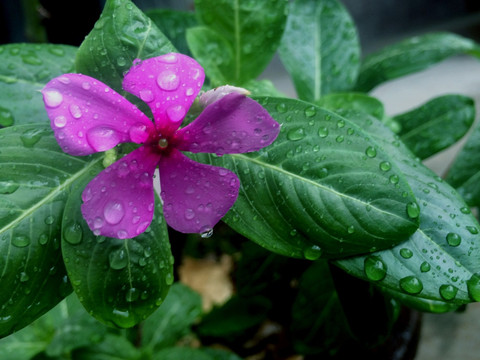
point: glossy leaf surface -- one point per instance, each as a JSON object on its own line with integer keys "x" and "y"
{"x": 24, "y": 71}
{"x": 328, "y": 58}
{"x": 435, "y": 269}
{"x": 411, "y": 55}
{"x": 436, "y": 125}
{"x": 119, "y": 281}
{"x": 241, "y": 39}
{"x": 322, "y": 189}
{"x": 122, "y": 34}
{"x": 35, "y": 183}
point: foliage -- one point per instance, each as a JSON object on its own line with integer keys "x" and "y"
{"x": 340, "y": 200}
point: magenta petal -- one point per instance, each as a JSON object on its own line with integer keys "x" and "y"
{"x": 195, "y": 196}
{"x": 168, "y": 84}
{"x": 234, "y": 124}
{"x": 119, "y": 202}
{"x": 87, "y": 116}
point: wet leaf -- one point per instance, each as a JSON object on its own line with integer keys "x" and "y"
{"x": 436, "y": 125}
{"x": 119, "y": 281}
{"x": 112, "y": 347}
{"x": 352, "y": 101}
{"x": 322, "y": 189}
{"x": 24, "y": 70}
{"x": 435, "y": 270}
{"x": 411, "y": 55}
{"x": 328, "y": 58}
{"x": 35, "y": 183}
{"x": 122, "y": 34}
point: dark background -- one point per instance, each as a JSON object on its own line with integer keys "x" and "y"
{"x": 379, "y": 21}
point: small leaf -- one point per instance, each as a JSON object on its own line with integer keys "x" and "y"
{"x": 436, "y": 125}
{"x": 328, "y": 58}
{"x": 173, "y": 319}
{"x": 122, "y": 34}
{"x": 322, "y": 189}
{"x": 24, "y": 70}
{"x": 119, "y": 281}
{"x": 435, "y": 269}
{"x": 112, "y": 347}
{"x": 464, "y": 173}
{"x": 35, "y": 183}
{"x": 411, "y": 55}
{"x": 174, "y": 25}
{"x": 250, "y": 33}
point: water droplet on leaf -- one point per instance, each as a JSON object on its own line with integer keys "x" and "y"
{"x": 453, "y": 239}
{"x": 411, "y": 285}
{"x": 118, "y": 259}
{"x": 73, "y": 233}
{"x": 448, "y": 292}
{"x": 375, "y": 268}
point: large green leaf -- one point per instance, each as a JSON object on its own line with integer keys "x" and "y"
{"x": 119, "y": 281}
{"x": 320, "y": 48}
{"x": 323, "y": 188}
{"x": 122, "y": 34}
{"x": 245, "y": 33}
{"x": 435, "y": 270}
{"x": 464, "y": 173}
{"x": 437, "y": 124}
{"x": 35, "y": 182}
{"x": 172, "y": 320}
{"x": 411, "y": 55}
{"x": 24, "y": 70}
{"x": 112, "y": 347}
{"x": 352, "y": 101}
{"x": 174, "y": 25}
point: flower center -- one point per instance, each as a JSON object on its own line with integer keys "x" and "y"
{"x": 163, "y": 143}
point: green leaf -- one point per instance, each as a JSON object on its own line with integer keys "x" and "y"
{"x": 173, "y": 319}
{"x": 352, "y": 101}
{"x": 464, "y": 174}
{"x": 435, "y": 269}
{"x": 262, "y": 87}
{"x": 323, "y": 188}
{"x": 320, "y": 48}
{"x": 411, "y": 55}
{"x": 176, "y": 353}
{"x": 122, "y": 34}
{"x": 237, "y": 316}
{"x": 24, "y": 71}
{"x": 248, "y": 34}
{"x": 112, "y": 347}
{"x": 119, "y": 281}
{"x": 174, "y": 25}
{"x": 214, "y": 53}
{"x": 35, "y": 183}
{"x": 437, "y": 124}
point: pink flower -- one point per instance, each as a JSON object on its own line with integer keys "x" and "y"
{"x": 87, "y": 116}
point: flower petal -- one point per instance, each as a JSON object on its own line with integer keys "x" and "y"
{"x": 119, "y": 202}
{"x": 168, "y": 84}
{"x": 234, "y": 124}
{"x": 195, "y": 196}
{"x": 87, "y": 116}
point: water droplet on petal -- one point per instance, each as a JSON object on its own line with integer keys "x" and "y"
{"x": 53, "y": 98}
{"x": 206, "y": 233}
{"x": 75, "y": 111}
{"x": 113, "y": 212}
{"x": 102, "y": 138}
{"x": 189, "y": 214}
{"x": 147, "y": 95}
{"x": 60, "y": 121}
{"x": 176, "y": 113}
{"x": 189, "y": 92}
{"x": 86, "y": 85}
{"x": 168, "y": 80}
{"x": 168, "y": 58}
{"x": 142, "y": 227}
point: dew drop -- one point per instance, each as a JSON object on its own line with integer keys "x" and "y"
{"x": 323, "y": 132}
{"x": 312, "y": 253}
{"x": 73, "y": 233}
{"x": 168, "y": 80}
{"x": 281, "y": 107}
{"x": 43, "y": 239}
{"x": 406, "y": 253}
{"x": 207, "y": 233}
{"x": 473, "y": 286}
{"x": 113, "y": 212}
{"x": 453, "y": 239}
{"x": 169, "y": 279}
{"x": 448, "y": 292}
{"x": 60, "y": 121}
{"x": 53, "y": 98}
{"x": 8, "y": 187}
{"x": 75, "y": 111}
{"x": 411, "y": 285}
{"x": 118, "y": 259}
{"x": 132, "y": 295}
{"x": 394, "y": 179}
{"x": 176, "y": 113}
{"x": 24, "y": 277}
{"x": 20, "y": 241}
{"x": 49, "y": 220}
{"x": 146, "y": 95}
{"x": 375, "y": 268}
{"x": 31, "y": 137}
{"x": 385, "y": 166}
{"x": 168, "y": 58}
{"x": 86, "y": 85}
{"x": 6, "y": 117}
{"x": 102, "y": 138}
{"x": 339, "y": 139}
{"x": 425, "y": 267}
{"x": 310, "y": 111}
{"x": 296, "y": 134}
{"x": 340, "y": 123}
{"x": 189, "y": 214}
{"x": 371, "y": 152}
{"x": 472, "y": 230}
{"x": 413, "y": 210}
{"x": 465, "y": 210}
